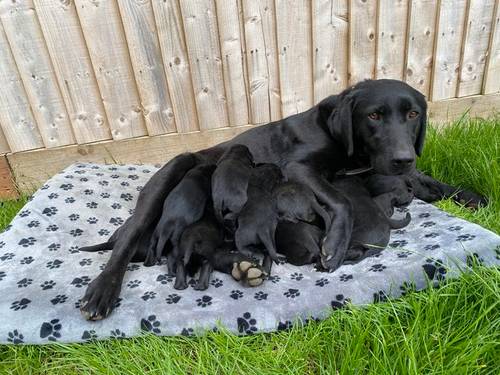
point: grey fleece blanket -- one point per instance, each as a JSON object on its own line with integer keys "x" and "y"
{"x": 43, "y": 275}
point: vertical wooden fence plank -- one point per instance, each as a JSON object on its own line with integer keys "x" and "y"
{"x": 262, "y": 60}
{"x": 492, "y": 72}
{"x": 330, "y": 47}
{"x": 233, "y": 60}
{"x": 294, "y": 31}
{"x": 16, "y": 118}
{"x": 448, "y": 48}
{"x": 391, "y": 38}
{"x": 202, "y": 39}
{"x": 419, "y": 54}
{"x": 362, "y": 43}
{"x": 142, "y": 38}
{"x": 73, "y": 69}
{"x": 4, "y": 145}
{"x": 106, "y": 42}
{"x": 35, "y": 68}
{"x": 174, "y": 52}
{"x": 475, "y": 48}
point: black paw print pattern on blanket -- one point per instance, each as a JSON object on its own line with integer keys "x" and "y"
{"x": 43, "y": 275}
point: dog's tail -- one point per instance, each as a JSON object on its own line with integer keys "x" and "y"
{"x": 101, "y": 246}
{"x": 398, "y": 224}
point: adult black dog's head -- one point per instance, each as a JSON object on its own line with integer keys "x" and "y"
{"x": 380, "y": 123}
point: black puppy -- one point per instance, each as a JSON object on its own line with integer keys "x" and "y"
{"x": 296, "y": 202}
{"x": 230, "y": 184}
{"x": 300, "y": 242}
{"x": 197, "y": 245}
{"x": 258, "y": 218}
{"x": 268, "y": 204}
{"x": 184, "y": 206}
{"x": 372, "y": 222}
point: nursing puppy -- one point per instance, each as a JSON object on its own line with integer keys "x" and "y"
{"x": 197, "y": 246}
{"x": 372, "y": 222}
{"x": 230, "y": 184}
{"x": 184, "y": 206}
{"x": 300, "y": 242}
{"x": 297, "y": 202}
{"x": 268, "y": 204}
{"x": 258, "y": 218}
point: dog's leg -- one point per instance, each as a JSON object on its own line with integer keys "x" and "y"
{"x": 205, "y": 272}
{"x": 338, "y": 235}
{"x": 268, "y": 240}
{"x": 102, "y": 293}
{"x": 267, "y": 264}
{"x": 180, "y": 275}
{"x": 430, "y": 190}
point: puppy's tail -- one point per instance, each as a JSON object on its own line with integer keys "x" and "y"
{"x": 101, "y": 246}
{"x": 398, "y": 224}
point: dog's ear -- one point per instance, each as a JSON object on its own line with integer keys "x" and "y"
{"x": 340, "y": 123}
{"x": 419, "y": 141}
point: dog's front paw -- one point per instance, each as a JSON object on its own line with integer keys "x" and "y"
{"x": 332, "y": 253}
{"x": 100, "y": 297}
{"x": 470, "y": 199}
{"x": 248, "y": 273}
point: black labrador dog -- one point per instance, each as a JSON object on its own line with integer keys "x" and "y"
{"x": 378, "y": 124}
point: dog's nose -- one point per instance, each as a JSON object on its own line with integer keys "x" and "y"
{"x": 402, "y": 161}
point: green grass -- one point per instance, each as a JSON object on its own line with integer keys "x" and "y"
{"x": 454, "y": 329}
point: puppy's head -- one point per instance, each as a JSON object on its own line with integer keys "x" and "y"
{"x": 294, "y": 203}
{"x": 380, "y": 123}
{"x": 239, "y": 152}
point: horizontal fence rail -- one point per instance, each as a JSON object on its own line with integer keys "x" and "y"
{"x": 87, "y": 71}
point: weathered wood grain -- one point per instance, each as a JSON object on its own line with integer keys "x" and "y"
{"x": 103, "y": 31}
{"x": 475, "y": 46}
{"x": 262, "y": 60}
{"x": 391, "y": 38}
{"x": 16, "y": 118}
{"x": 37, "y": 73}
{"x": 70, "y": 58}
{"x": 448, "y": 48}
{"x": 294, "y": 32}
{"x": 232, "y": 42}
{"x": 202, "y": 39}
{"x": 362, "y": 39}
{"x": 420, "y": 49}
{"x": 142, "y": 39}
{"x": 492, "y": 72}
{"x": 330, "y": 47}
{"x": 175, "y": 59}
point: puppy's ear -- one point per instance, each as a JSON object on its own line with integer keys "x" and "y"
{"x": 419, "y": 140}
{"x": 340, "y": 124}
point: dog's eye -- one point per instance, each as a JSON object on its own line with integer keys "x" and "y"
{"x": 374, "y": 116}
{"x": 412, "y": 114}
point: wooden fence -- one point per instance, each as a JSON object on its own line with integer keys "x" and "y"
{"x": 164, "y": 76}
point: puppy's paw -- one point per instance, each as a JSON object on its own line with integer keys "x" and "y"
{"x": 248, "y": 273}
